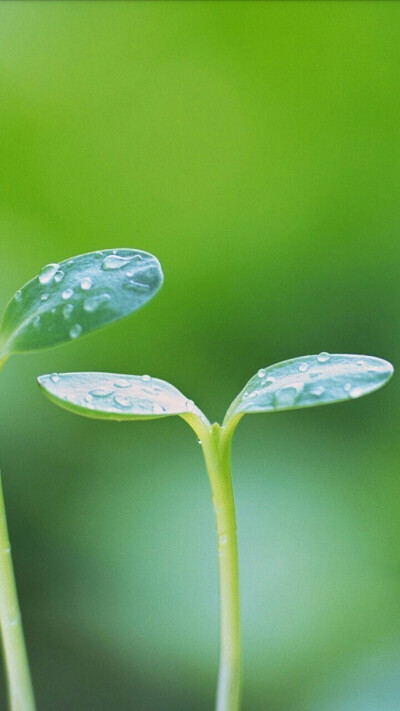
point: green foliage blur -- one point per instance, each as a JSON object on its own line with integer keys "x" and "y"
{"x": 253, "y": 147}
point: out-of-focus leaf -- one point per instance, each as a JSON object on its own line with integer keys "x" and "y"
{"x": 68, "y": 300}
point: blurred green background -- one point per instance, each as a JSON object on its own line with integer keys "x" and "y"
{"x": 254, "y": 148}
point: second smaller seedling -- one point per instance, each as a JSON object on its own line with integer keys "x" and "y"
{"x": 297, "y": 383}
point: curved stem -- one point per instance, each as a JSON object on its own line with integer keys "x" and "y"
{"x": 19, "y": 685}
{"x": 216, "y": 450}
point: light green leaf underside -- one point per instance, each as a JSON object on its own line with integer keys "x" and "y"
{"x": 68, "y": 300}
{"x": 116, "y": 397}
{"x": 309, "y": 381}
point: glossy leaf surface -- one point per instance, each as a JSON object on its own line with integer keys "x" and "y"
{"x": 309, "y": 381}
{"x": 116, "y": 397}
{"x": 79, "y": 295}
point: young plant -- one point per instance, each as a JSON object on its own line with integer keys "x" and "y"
{"x": 65, "y": 301}
{"x": 300, "y": 382}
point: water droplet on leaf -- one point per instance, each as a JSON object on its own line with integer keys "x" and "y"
{"x": 303, "y": 367}
{"x": 121, "y": 383}
{"x": 75, "y": 331}
{"x": 122, "y": 400}
{"x": 261, "y": 373}
{"x": 114, "y": 261}
{"x": 67, "y": 310}
{"x": 67, "y": 294}
{"x": 54, "y": 377}
{"x": 318, "y": 391}
{"x": 59, "y": 276}
{"x": 356, "y": 392}
{"x": 286, "y": 397}
{"x": 86, "y": 284}
{"x": 44, "y": 297}
{"x": 47, "y": 273}
{"x": 18, "y": 295}
{"x": 102, "y": 392}
{"x": 136, "y": 285}
{"x": 92, "y": 303}
{"x": 323, "y": 357}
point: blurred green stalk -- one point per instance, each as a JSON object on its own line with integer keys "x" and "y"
{"x": 19, "y": 683}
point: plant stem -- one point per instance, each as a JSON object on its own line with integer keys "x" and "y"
{"x": 216, "y": 450}
{"x": 19, "y": 685}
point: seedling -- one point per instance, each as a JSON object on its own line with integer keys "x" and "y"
{"x": 65, "y": 301}
{"x": 300, "y": 382}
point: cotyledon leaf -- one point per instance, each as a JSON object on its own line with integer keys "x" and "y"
{"x": 309, "y": 381}
{"x": 79, "y": 295}
{"x": 109, "y": 396}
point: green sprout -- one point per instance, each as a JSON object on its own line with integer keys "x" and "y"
{"x": 65, "y": 301}
{"x": 300, "y": 382}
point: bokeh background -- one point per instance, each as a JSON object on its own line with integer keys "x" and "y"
{"x": 254, "y": 148}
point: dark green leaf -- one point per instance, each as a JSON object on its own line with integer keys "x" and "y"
{"x": 79, "y": 295}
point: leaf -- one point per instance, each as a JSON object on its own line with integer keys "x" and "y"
{"x": 108, "y": 396}
{"x": 311, "y": 380}
{"x": 79, "y": 295}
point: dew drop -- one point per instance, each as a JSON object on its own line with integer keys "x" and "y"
{"x": 75, "y": 331}
{"x": 47, "y": 273}
{"x": 323, "y": 357}
{"x": 54, "y": 377}
{"x": 44, "y": 297}
{"x": 360, "y": 363}
{"x": 101, "y": 392}
{"x": 136, "y": 285}
{"x": 318, "y": 391}
{"x": 286, "y": 397}
{"x": 114, "y": 261}
{"x": 303, "y": 367}
{"x": 268, "y": 382}
{"x": 92, "y": 303}
{"x": 122, "y": 400}
{"x": 190, "y": 405}
{"x": 121, "y": 383}
{"x": 223, "y": 539}
{"x": 158, "y": 409}
{"x": 67, "y": 310}
{"x": 67, "y": 294}
{"x": 36, "y": 321}
{"x": 356, "y": 392}
{"x": 86, "y": 284}
{"x": 146, "y": 378}
{"x": 18, "y": 295}
{"x": 59, "y": 276}
{"x": 261, "y": 373}
{"x": 245, "y": 395}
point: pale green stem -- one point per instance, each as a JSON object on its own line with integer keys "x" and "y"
{"x": 19, "y": 684}
{"x": 216, "y": 448}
